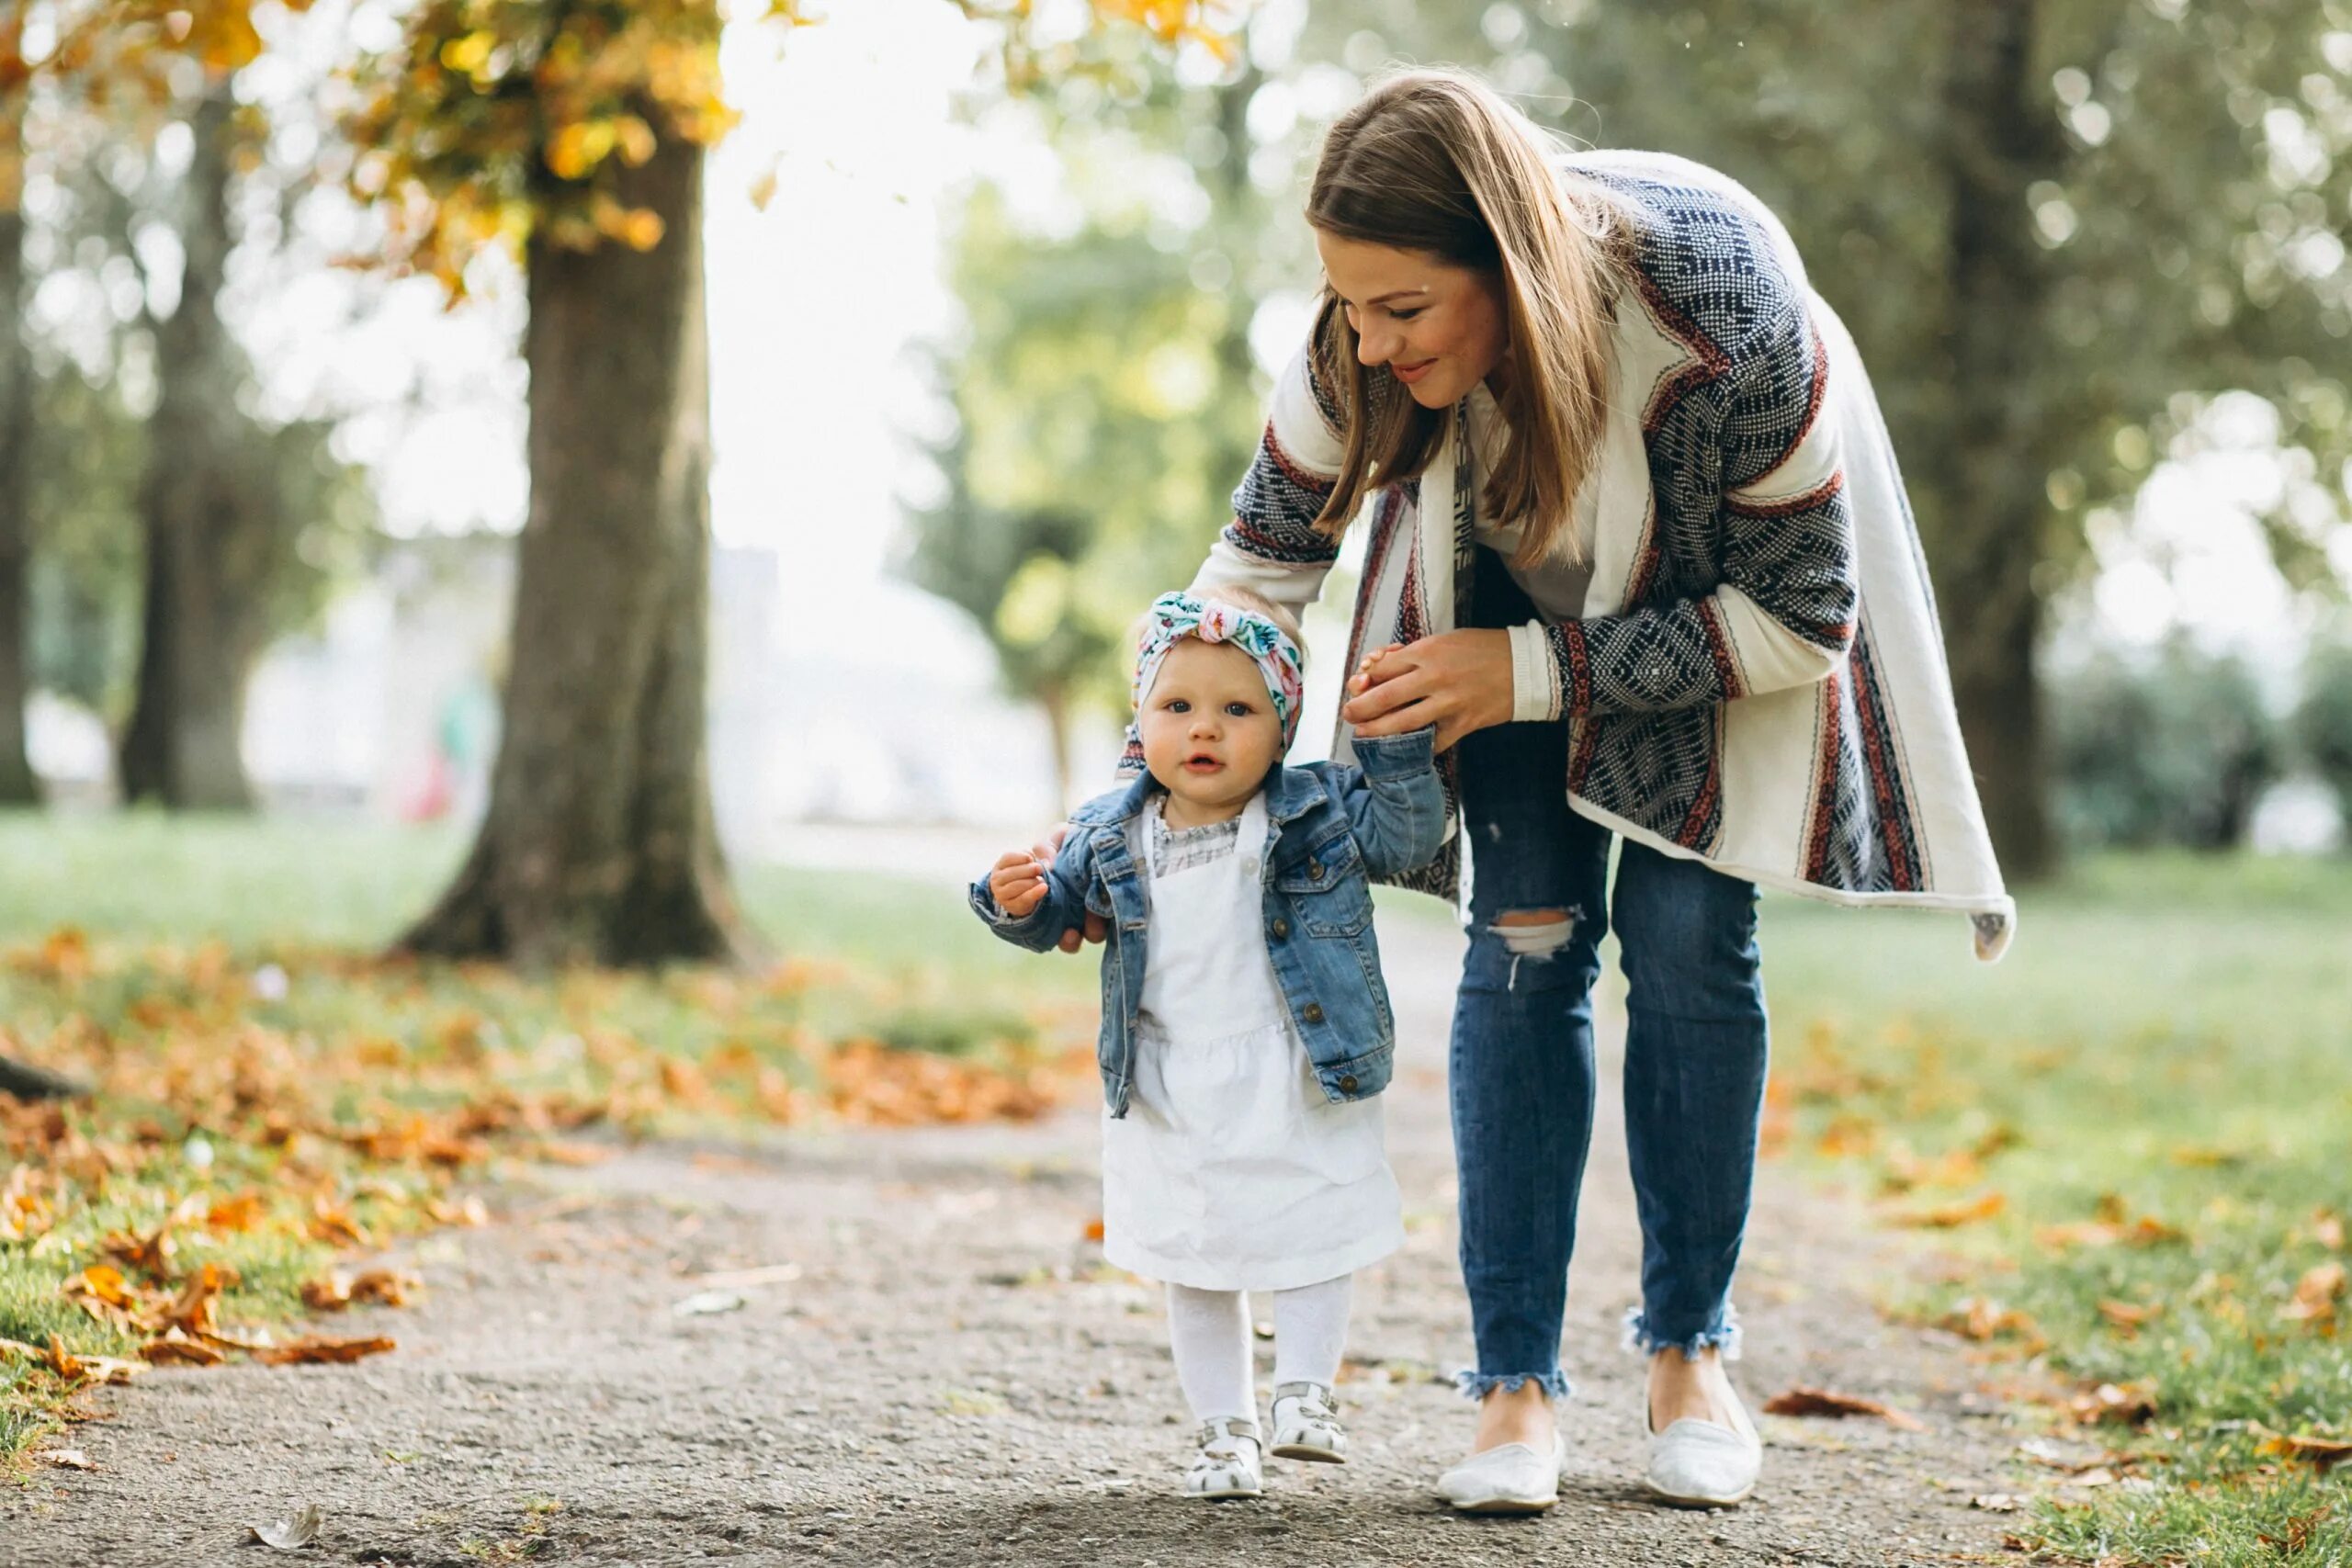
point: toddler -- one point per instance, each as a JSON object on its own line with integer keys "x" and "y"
{"x": 1245, "y": 1031}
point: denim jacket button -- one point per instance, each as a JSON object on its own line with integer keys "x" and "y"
{"x": 1347, "y": 1083}
{"x": 1315, "y": 871}
{"x": 1312, "y": 1013}
{"x": 1282, "y": 930}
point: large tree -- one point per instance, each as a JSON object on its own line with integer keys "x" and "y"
{"x": 574, "y": 133}
{"x": 16, "y": 787}
{"x": 223, "y": 499}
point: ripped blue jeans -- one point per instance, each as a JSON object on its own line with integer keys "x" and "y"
{"x": 1524, "y": 1082}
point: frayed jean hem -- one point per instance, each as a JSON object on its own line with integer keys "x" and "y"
{"x": 1724, "y": 1337}
{"x": 1477, "y": 1385}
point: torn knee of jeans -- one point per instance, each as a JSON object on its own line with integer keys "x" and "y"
{"x": 1534, "y": 933}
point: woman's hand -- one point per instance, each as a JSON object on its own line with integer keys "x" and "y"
{"x": 1458, "y": 680}
{"x": 1095, "y": 929}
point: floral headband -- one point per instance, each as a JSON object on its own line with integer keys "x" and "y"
{"x": 1174, "y": 616}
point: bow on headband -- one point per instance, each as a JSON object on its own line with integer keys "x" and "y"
{"x": 1174, "y": 616}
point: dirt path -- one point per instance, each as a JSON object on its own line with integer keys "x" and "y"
{"x": 950, "y": 1380}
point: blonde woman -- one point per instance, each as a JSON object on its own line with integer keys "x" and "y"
{"x": 1637, "y": 548}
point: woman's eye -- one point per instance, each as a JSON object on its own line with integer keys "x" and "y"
{"x": 1407, "y": 315}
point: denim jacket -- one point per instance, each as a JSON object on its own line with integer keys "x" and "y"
{"x": 1329, "y": 827}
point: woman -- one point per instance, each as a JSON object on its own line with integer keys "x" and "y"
{"x": 1639, "y": 549}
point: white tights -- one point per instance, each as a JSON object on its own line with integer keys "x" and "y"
{"x": 1209, "y": 1332}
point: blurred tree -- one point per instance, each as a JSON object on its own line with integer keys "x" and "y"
{"x": 1102, "y": 391}
{"x": 16, "y": 787}
{"x": 2175, "y": 750}
{"x": 2057, "y": 228}
{"x": 225, "y": 501}
{"x": 2322, "y": 725}
{"x": 572, "y": 134}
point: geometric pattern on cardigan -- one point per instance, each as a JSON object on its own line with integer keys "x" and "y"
{"x": 1732, "y": 571}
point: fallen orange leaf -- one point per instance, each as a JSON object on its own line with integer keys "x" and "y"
{"x": 1948, "y": 1216}
{"x": 2323, "y": 1453}
{"x": 1824, "y": 1401}
{"x": 177, "y": 1349}
{"x": 2129, "y": 1315}
{"x": 2123, "y": 1404}
{"x": 1095, "y": 1228}
{"x": 317, "y": 1348}
{"x": 2315, "y": 1295}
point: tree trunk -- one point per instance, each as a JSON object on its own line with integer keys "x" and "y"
{"x": 17, "y": 784}
{"x": 211, "y": 523}
{"x": 1053, "y": 700}
{"x": 1990, "y": 468}
{"x": 598, "y": 845}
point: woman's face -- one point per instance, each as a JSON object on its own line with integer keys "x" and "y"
{"x": 1439, "y": 329}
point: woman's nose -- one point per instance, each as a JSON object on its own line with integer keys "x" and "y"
{"x": 1377, "y": 349}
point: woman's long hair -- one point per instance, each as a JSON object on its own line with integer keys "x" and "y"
{"x": 1437, "y": 161}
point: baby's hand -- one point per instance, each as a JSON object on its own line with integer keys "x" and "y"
{"x": 1363, "y": 680}
{"x": 1017, "y": 883}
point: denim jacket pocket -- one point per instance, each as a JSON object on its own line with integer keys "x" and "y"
{"x": 1326, "y": 887}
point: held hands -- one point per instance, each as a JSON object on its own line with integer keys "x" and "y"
{"x": 1459, "y": 680}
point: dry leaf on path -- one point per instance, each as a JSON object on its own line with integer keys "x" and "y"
{"x": 293, "y": 1533}
{"x": 1998, "y": 1502}
{"x": 66, "y": 1459}
{"x": 385, "y": 1287}
{"x": 1823, "y": 1402}
{"x": 175, "y": 1348}
{"x": 703, "y": 1304}
{"x": 315, "y": 1349}
{"x": 746, "y": 1279}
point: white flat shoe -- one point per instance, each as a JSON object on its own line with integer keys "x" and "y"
{"x": 1697, "y": 1464}
{"x": 1307, "y": 1424}
{"x": 1512, "y": 1479}
{"x": 1229, "y": 1463}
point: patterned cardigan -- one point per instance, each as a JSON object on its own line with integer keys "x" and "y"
{"x": 1757, "y": 678}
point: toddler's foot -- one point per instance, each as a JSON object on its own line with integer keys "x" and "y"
{"x": 1229, "y": 1462}
{"x": 1307, "y": 1424}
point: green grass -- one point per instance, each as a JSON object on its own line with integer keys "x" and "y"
{"x": 217, "y": 981}
{"x": 2169, "y": 1039}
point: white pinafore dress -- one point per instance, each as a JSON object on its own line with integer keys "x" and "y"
{"x": 1231, "y": 1171}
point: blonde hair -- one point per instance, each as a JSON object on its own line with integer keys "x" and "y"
{"x": 1438, "y": 161}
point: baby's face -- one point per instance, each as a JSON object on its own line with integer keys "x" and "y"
{"x": 1210, "y": 733}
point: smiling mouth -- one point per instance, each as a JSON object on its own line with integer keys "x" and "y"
{"x": 1412, "y": 372}
{"x": 1202, "y": 763}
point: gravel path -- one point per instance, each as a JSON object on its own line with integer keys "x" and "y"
{"x": 952, "y": 1377}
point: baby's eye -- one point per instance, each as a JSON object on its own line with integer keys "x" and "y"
{"x": 1240, "y": 710}
{"x": 1178, "y": 704}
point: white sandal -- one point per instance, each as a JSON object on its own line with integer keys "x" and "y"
{"x": 1229, "y": 1460}
{"x": 1307, "y": 1424}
